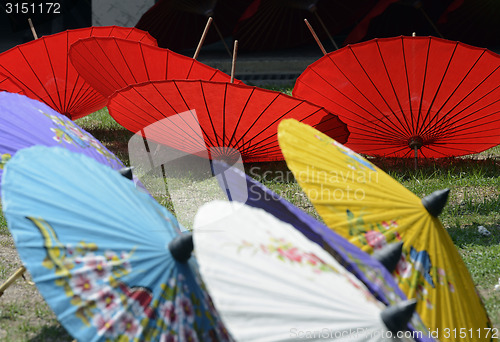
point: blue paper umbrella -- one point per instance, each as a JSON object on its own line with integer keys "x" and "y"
{"x": 25, "y": 122}
{"x": 366, "y": 268}
{"x": 111, "y": 262}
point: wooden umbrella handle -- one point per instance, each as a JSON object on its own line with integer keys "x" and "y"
{"x": 233, "y": 65}
{"x": 203, "y": 36}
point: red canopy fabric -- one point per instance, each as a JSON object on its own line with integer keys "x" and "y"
{"x": 397, "y": 93}
{"x": 6, "y": 84}
{"x": 110, "y": 64}
{"x": 230, "y": 115}
{"x": 41, "y": 68}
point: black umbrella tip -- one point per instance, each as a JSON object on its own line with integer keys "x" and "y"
{"x": 396, "y": 317}
{"x": 389, "y": 255}
{"x": 126, "y": 172}
{"x": 435, "y": 202}
{"x": 181, "y": 247}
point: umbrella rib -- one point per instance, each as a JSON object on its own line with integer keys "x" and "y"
{"x": 444, "y": 123}
{"x": 277, "y": 119}
{"x": 224, "y": 115}
{"x": 376, "y": 121}
{"x": 125, "y": 61}
{"x": 453, "y": 127}
{"x": 205, "y": 135}
{"x": 258, "y": 117}
{"x": 378, "y": 91}
{"x": 408, "y": 129}
{"x": 143, "y": 58}
{"x": 53, "y": 74}
{"x": 426, "y": 126}
{"x": 161, "y": 121}
{"x": 39, "y": 81}
{"x": 415, "y": 128}
{"x": 209, "y": 116}
{"x": 91, "y": 64}
{"x": 241, "y": 115}
{"x": 444, "y": 118}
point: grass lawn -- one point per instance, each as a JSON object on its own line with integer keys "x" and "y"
{"x": 474, "y": 200}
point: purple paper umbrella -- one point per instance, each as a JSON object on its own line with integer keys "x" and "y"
{"x": 366, "y": 268}
{"x": 25, "y": 122}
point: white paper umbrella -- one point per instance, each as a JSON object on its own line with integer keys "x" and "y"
{"x": 270, "y": 283}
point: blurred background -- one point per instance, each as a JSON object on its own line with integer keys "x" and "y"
{"x": 275, "y": 45}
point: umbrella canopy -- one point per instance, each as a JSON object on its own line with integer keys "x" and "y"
{"x": 41, "y": 68}
{"x": 7, "y": 84}
{"x": 101, "y": 251}
{"x": 367, "y": 269}
{"x": 365, "y": 205}
{"x": 25, "y": 122}
{"x": 271, "y": 283}
{"x": 274, "y": 24}
{"x": 109, "y": 64}
{"x": 231, "y": 116}
{"x": 402, "y": 94}
{"x": 178, "y": 24}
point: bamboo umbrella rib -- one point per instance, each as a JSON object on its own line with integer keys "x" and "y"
{"x": 443, "y": 123}
{"x": 387, "y": 129}
{"x": 216, "y": 143}
{"x": 415, "y": 127}
{"x": 376, "y": 88}
{"x": 143, "y": 123}
{"x": 97, "y": 62}
{"x": 53, "y": 73}
{"x": 438, "y": 122}
{"x": 468, "y": 131}
{"x": 262, "y": 131}
{"x": 241, "y": 116}
{"x": 36, "y": 76}
{"x": 458, "y": 86}
{"x": 168, "y": 129}
{"x": 259, "y": 116}
{"x": 452, "y": 125}
{"x": 408, "y": 128}
{"x": 437, "y": 92}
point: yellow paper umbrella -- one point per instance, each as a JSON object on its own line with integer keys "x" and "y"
{"x": 364, "y": 204}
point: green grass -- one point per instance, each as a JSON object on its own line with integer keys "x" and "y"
{"x": 474, "y": 200}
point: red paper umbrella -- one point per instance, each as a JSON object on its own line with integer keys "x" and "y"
{"x": 230, "y": 115}
{"x": 473, "y": 22}
{"x": 6, "y": 84}
{"x": 401, "y": 94}
{"x": 41, "y": 68}
{"x": 178, "y": 24}
{"x": 110, "y": 64}
{"x": 272, "y": 24}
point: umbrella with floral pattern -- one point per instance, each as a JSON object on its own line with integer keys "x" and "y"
{"x": 359, "y": 201}
{"x": 25, "y": 122}
{"x": 110, "y": 261}
{"x": 270, "y": 283}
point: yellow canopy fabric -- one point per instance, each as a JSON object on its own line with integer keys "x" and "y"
{"x": 364, "y": 204}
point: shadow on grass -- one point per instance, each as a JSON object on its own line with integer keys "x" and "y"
{"x": 474, "y": 207}
{"x": 116, "y": 140}
{"x": 404, "y": 168}
{"x": 469, "y": 235}
{"x": 52, "y": 333}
